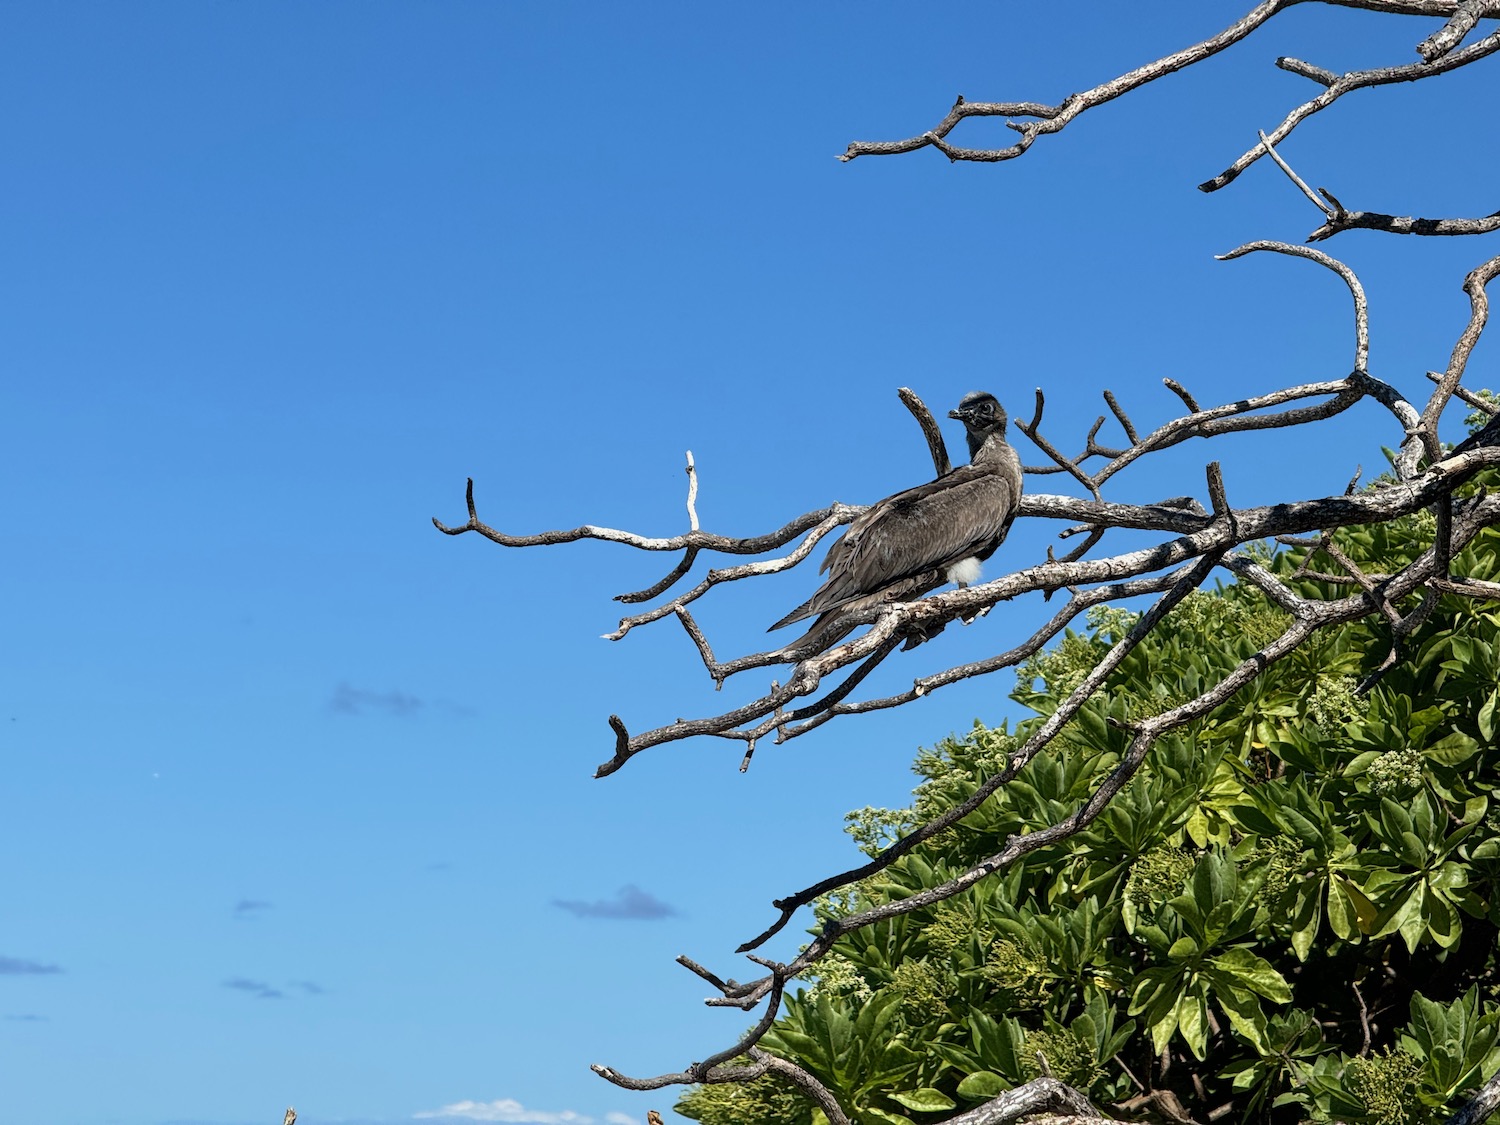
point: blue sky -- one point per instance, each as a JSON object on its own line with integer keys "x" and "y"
{"x": 298, "y": 797}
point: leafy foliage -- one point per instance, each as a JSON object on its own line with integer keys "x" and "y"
{"x": 1292, "y": 910}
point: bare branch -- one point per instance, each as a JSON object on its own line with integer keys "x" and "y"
{"x": 1318, "y": 201}
{"x": 1451, "y": 34}
{"x": 818, "y": 1093}
{"x": 1356, "y": 80}
{"x": 1033, "y": 119}
{"x": 1342, "y": 220}
{"x": 1181, "y": 392}
{"x": 692, "y": 497}
{"x": 1040, "y": 1095}
{"x": 1483, "y": 405}
{"x": 928, "y": 615}
{"x": 1479, "y": 304}
{"x": 1479, "y": 1108}
{"x": 935, "y": 443}
{"x": 1306, "y": 70}
{"x": 701, "y": 539}
{"x": 837, "y": 516}
{"x": 1361, "y": 303}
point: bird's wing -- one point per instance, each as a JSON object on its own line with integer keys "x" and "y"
{"x": 933, "y": 525}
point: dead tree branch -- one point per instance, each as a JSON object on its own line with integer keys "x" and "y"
{"x": 1451, "y": 34}
{"x": 1339, "y": 218}
{"x": 1033, "y": 120}
{"x": 1040, "y": 1095}
{"x": 1347, "y": 83}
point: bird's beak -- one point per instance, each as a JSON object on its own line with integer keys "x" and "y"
{"x": 959, "y": 414}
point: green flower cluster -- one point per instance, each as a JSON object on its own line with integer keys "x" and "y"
{"x": 838, "y": 976}
{"x": 1282, "y": 856}
{"x": 1157, "y": 876}
{"x": 765, "y": 1099}
{"x": 1396, "y": 773}
{"x": 1067, "y": 1058}
{"x": 1334, "y": 702}
{"x": 1386, "y": 1084}
{"x": 1017, "y": 970}
{"x": 924, "y": 989}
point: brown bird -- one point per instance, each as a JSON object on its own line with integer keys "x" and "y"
{"x": 946, "y": 527}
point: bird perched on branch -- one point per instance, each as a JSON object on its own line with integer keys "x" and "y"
{"x": 940, "y": 531}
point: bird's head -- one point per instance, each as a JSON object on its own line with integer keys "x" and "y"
{"x": 982, "y": 416}
{"x": 980, "y": 413}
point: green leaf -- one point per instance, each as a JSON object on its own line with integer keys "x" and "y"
{"x": 1183, "y": 949}
{"x": 1192, "y": 1021}
{"x": 1306, "y": 915}
{"x": 1197, "y": 828}
{"x": 1442, "y": 920}
{"x": 1394, "y": 819}
{"x": 1457, "y": 748}
{"x": 1255, "y": 973}
{"x": 1486, "y": 718}
{"x": 1429, "y": 1023}
{"x": 1350, "y": 912}
{"x": 1411, "y": 849}
{"x": 925, "y": 1100}
{"x": 1162, "y": 1029}
{"x": 1405, "y": 917}
{"x": 1245, "y": 1016}
{"x": 1307, "y": 833}
{"x": 982, "y": 1085}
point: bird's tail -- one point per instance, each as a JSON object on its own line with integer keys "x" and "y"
{"x": 802, "y": 611}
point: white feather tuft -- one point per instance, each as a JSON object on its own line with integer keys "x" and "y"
{"x": 965, "y": 572}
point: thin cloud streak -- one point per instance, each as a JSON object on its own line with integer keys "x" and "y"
{"x": 20, "y": 967}
{"x": 350, "y": 700}
{"x": 629, "y": 903}
{"x": 257, "y": 988}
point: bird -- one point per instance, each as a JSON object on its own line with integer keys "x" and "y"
{"x": 939, "y": 531}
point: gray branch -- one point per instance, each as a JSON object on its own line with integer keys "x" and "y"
{"x": 1032, "y": 120}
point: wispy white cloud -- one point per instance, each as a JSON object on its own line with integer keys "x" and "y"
{"x": 508, "y": 1109}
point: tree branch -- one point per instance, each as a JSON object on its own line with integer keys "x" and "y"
{"x": 1355, "y": 80}
{"x": 1035, "y": 119}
